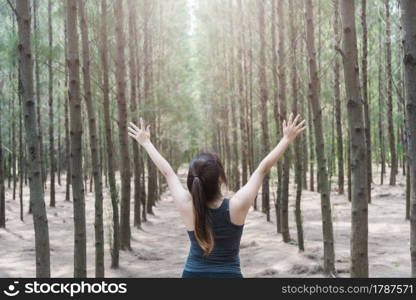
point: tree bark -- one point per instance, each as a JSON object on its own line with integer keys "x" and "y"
{"x": 284, "y": 197}
{"x": 109, "y": 139}
{"x": 2, "y": 178}
{"x": 275, "y": 73}
{"x": 263, "y": 104}
{"x": 293, "y": 33}
{"x": 366, "y": 98}
{"x": 390, "y": 126}
{"x": 80, "y": 250}
{"x": 337, "y": 97}
{"x": 125, "y": 233}
{"x": 243, "y": 102}
{"x": 133, "y": 107}
{"x": 40, "y": 219}
{"x": 38, "y": 88}
{"x": 95, "y": 161}
{"x": 149, "y": 99}
{"x": 323, "y": 182}
{"x": 408, "y": 12}
{"x": 50, "y": 92}
{"x": 359, "y": 198}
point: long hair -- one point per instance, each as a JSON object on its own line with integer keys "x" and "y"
{"x": 204, "y": 182}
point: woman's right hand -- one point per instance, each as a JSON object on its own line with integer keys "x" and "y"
{"x": 291, "y": 128}
{"x": 141, "y": 135}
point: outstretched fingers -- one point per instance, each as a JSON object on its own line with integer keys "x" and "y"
{"x": 300, "y": 125}
{"x": 132, "y": 132}
{"x": 290, "y": 121}
{"x": 133, "y": 126}
{"x": 295, "y": 121}
{"x": 301, "y": 129}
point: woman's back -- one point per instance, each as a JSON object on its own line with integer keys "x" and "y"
{"x": 224, "y": 258}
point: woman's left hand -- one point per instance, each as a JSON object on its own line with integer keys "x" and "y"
{"x": 141, "y": 135}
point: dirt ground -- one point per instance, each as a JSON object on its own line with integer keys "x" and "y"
{"x": 160, "y": 248}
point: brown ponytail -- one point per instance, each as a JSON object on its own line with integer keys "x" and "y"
{"x": 203, "y": 229}
{"x": 203, "y": 182}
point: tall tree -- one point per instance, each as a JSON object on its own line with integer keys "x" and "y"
{"x": 92, "y": 125}
{"x": 275, "y": 73}
{"x": 51, "y": 124}
{"x": 125, "y": 233}
{"x": 148, "y": 98}
{"x": 390, "y": 127}
{"x": 75, "y": 112}
{"x": 263, "y": 105}
{"x": 233, "y": 105}
{"x": 40, "y": 219}
{"x": 295, "y": 96}
{"x": 380, "y": 109}
{"x": 243, "y": 104}
{"x": 109, "y": 138}
{"x": 366, "y": 98}
{"x": 359, "y": 200}
{"x": 284, "y": 197}
{"x": 337, "y": 98}
{"x": 133, "y": 106}
{"x": 2, "y": 177}
{"x": 408, "y": 11}
{"x": 315, "y": 104}
{"x": 38, "y": 85}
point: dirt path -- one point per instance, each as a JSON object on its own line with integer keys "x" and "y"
{"x": 160, "y": 248}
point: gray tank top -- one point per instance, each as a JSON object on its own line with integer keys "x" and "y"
{"x": 225, "y": 256}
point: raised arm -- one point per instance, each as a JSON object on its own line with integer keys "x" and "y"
{"x": 244, "y": 198}
{"x": 142, "y": 136}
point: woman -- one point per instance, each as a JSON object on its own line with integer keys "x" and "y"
{"x": 214, "y": 223}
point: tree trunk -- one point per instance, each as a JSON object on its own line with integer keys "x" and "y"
{"x": 14, "y": 150}
{"x": 50, "y": 92}
{"x": 80, "y": 250}
{"x": 380, "y": 112}
{"x": 359, "y": 198}
{"x": 21, "y": 155}
{"x": 408, "y": 11}
{"x": 109, "y": 139}
{"x": 263, "y": 104}
{"x": 323, "y": 182}
{"x": 337, "y": 97}
{"x": 311, "y": 150}
{"x": 242, "y": 106}
{"x": 38, "y": 89}
{"x": 366, "y": 99}
{"x": 125, "y": 233}
{"x": 92, "y": 126}
{"x": 275, "y": 73}
{"x": 284, "y": 197}
{"x": 295, "y": 96}
{"x": 233, "y": 106}
{"x": 390, "y": 127}
{"x": 40, "y": 219}
{"x": 133, "y": 107}
{"x": 2, "y": 179}
{"x": 66, "y": 113}
{"x": 148, "y": 96}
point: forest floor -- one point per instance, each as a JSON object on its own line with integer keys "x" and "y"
{"x": 160, "y": 248}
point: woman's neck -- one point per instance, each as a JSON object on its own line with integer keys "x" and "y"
{"x": 216, "y": 203}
